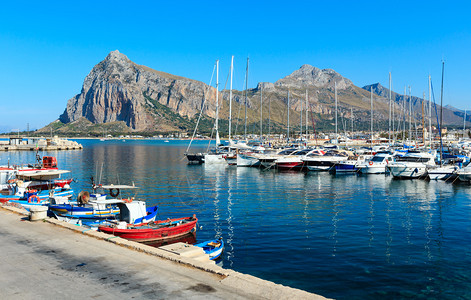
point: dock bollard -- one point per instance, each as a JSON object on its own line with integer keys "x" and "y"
{"x": 37, "y": 212}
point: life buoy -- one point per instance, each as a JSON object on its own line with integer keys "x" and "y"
{"x": 114, "y": 192}
{"x": 128, "y": 200}
{"x": 32, "y": 197}
{"x": 12, "y": 180}
{"x": 370, "y": 163}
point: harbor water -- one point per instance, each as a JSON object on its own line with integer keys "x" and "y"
{"x": 348, "y": 236}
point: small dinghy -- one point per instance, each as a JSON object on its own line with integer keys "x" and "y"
{"x": 213, "y": 248}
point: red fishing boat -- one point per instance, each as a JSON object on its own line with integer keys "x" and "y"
{"x": 153, "y": 231}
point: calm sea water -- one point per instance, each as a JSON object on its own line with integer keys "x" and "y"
{"x": 338, "y": 236}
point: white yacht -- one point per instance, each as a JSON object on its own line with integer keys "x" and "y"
{"x": 324, "y": 162}
{"x": 377, "y": 165}
{"x": 412, "y": 165}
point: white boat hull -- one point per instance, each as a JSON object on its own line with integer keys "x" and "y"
{"x": 380, "y": 169}
{"x": 215, "y": 159}
{"x": 442, "y": 173}
{"x": 244, "y": 160}
{"x": 407, "y": 172}
{"x": 464, "y": 176}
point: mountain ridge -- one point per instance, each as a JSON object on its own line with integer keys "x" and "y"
{"x": 147, "y": 100}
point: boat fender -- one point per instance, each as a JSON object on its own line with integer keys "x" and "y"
{"x": 32, "y": 198}
{"x": 416, "y": 171}
{"x": 114, "y": 192}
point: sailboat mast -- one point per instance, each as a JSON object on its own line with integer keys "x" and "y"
{"x": 335, "y": 89}
{"x": 246, "y": 88}
{"x": 261, "y": 114}
{"x": 217, "y": 100}
{"x": 464, "y": 122}
{"x": 306, "y": 115}
{"x": 269, "y": 116}
{"x": 430, "y": 110}
{"x": 441, "y": 115}
{"x": 351, "y": 114}
{"x": 423, "y": 120}
{"x": 410, "y": 115}
{"x": 288, "y": 116}
{"x": 230, "y": 98}
{"x": 389, "y": 135}
{"x": 301, "y": 122}
{"x": 404, "y": 113}
{"x": 371, "y": 114}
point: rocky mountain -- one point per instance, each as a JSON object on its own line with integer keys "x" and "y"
{"x": 117, "y": 89}
{"x": 120, "y": 95}
{"x": 451, "y": 115}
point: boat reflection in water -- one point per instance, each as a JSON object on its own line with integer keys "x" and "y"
{"x": 189, "y": 238}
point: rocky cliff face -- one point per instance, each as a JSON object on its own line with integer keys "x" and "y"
{"x": 116, "y": 90}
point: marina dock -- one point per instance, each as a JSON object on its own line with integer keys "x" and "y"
{"x": 54, "y": 259}
{"x": 38, "y": 144}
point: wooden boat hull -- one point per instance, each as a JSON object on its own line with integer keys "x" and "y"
{"x": 155, "y": 231}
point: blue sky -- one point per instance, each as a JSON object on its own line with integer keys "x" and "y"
{"x": 47, "y": 48}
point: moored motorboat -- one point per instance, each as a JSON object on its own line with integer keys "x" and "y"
{"x": 325, "y": 162}
{"x": 464, "y": 174}
{"x": 293, "y": 161}
{"x": 442, "y": 172}
{"x": 350, "y": 166}
{"x": 153, "y": 231}
{"x": 412, "y": 165}
{"x": 376, "y": 165}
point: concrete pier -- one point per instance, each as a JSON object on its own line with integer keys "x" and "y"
{"x": 39, "y": 148}
{"x": 56, "y": 260}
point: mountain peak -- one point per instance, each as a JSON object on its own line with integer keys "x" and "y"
{"x": 309, "y": 75}
{"x": 116, "y": 56}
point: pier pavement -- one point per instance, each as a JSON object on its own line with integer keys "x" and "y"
{"x": 55, "y": 260}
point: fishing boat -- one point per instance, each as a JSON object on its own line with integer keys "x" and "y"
{"x": 130, "y": 212}
{"x": 31, "y": 197}
{"x": 213, "y": 248}
{"x": 94, "y": 206}
{"x": 88, "y": 206}
{"x": 152, "y": 231}
{"x": 44, "y": 174}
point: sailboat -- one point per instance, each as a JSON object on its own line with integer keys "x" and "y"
{"x": 215, "y": 157}
{"x": 442, "y": 172}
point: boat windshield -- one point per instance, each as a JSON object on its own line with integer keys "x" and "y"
{"x": 377, "y": 159}
{"x": 303, "y": 152}
{"x": 287, "y": 151}
{"x": 412, "y": 159}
